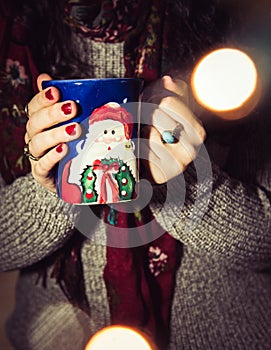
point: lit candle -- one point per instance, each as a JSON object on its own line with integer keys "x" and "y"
{"x": 119, "y": 338}
{"x": 226, "y": 82}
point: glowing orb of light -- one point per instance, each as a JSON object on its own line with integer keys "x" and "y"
{"x": 226, "y": 81}
{"x": 118, "y": 338}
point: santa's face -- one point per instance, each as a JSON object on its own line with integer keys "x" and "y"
{"x": 105, "y": 139}
{"x": 108, "y": 134}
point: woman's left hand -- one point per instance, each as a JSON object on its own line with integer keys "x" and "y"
{"x": 163, "y": 161}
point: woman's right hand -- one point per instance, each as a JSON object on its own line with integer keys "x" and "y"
{"x": 46, "y": 143}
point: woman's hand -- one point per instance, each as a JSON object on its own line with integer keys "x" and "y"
{"x": 45, "y": 143}
{"x": 163, "y": 161}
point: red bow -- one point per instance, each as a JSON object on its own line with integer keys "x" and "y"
{"x": 107, "y": 177}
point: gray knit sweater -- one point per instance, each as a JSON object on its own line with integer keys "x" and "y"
{"x": 222, "y": 296}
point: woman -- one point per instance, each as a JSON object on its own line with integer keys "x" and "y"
{"x": 204, "y": 281}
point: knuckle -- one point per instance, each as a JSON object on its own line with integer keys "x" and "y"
{"x": 30, "y": 107}
{"x": 42, "y": 166}
{"x": 158, "y": 175}
{"x": 35, "y": 174}
{"x": 188, "y": 154}
{"x": 54, "y": 114}
{"x": 201, "y": 133}
{"x": 182, "y": 164}
{"x": 191, "y": 155}
{"x": 198, "y": 134}
{"x": 182, "y": 167}
{"x": 32, "y": 125}
{"x": 27, "y": 132}
{"x": 41, "y": 99}
{"x": 54, "y": 135}
{"x": 45, "y": 165}
{"x": 168, "y": 101}
{"x": 32, "y": 146}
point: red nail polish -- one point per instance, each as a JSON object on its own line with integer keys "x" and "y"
{"x": 70, "y": 129}
{"x": 49, "y": 95}
{"x": 66, "y": 108}
{"x": 59, "y": 148}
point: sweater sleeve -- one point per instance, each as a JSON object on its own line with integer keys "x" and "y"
{"x": 214, "y": 213}
{"x": 33, "y": 223}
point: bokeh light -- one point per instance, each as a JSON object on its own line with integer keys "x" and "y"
{"x": 118, "y": 338}
{"x": 226, "y": 80}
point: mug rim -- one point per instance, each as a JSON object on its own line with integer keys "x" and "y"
{"x": 91, "y": 80}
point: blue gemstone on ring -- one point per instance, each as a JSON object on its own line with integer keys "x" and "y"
{"x": 168, "y": 137}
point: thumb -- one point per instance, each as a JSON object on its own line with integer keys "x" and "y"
{"x": 177, "y": 86}
{"x": 41, "y": 78}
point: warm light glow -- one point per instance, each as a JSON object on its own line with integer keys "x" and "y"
{"x": 118, "y": 338}
{"x": 224, "y": 80}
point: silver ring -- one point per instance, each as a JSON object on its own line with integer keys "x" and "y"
{"x": 28, "y": 154}
{"x": 26, "y": 111}
{"x": 172, "y": 136}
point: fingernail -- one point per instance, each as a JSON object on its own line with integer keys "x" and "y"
{"x": 59, "y": 148}
{"x": 66, "y": 108}
{"x": 49, "y": 95}
{"x": 70, "y": 129}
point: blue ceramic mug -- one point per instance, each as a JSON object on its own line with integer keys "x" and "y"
{"x": 102, "y": 165}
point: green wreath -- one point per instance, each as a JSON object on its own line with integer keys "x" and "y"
{"x": 124, "y": 177}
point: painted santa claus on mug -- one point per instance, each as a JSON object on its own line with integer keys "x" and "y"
{"x": 105, "y": 168}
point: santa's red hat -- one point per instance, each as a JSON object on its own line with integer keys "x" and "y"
{"x": 115, "y": 112}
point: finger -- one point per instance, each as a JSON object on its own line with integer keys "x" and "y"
{"x": 186, "y": 149}
{"x": 179, "y": 106}
{"x": 44, "y": 98}
{"x": 175, "y": 157}
{"x": 50, "y": 116}
{"x": 44, "y": 141}
{"x": 156, "y": 167}
{"x": 150, "y": 165}
{"x": 146, "y": 145}
{"x": 155, "y": 92}
{"x": 43, "y": 168}
{"x": 162, "y": 120}
{"x": 183, "y": 115}
{"x": 177, "y": 86}
{"x": 41, "y": 78}
{"x": 151, "y": 114}
{"x": 174, "y": 153}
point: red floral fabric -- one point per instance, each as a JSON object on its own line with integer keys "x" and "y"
{"x": 139, "y": 23}
{"x": 17, "y": 84}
